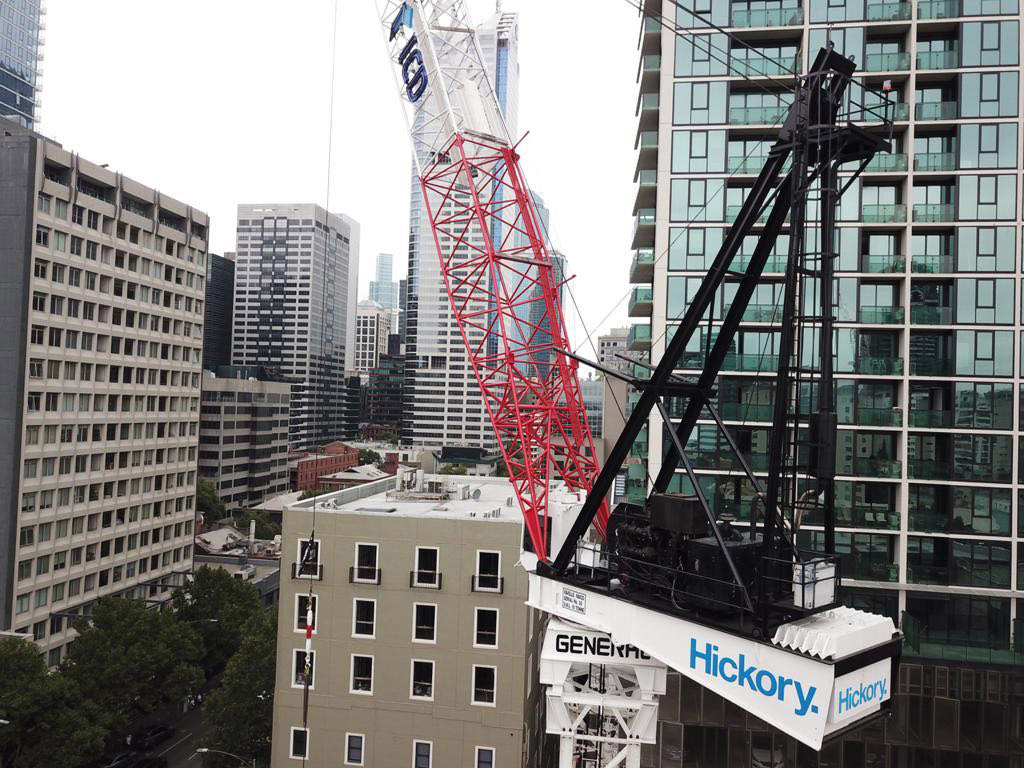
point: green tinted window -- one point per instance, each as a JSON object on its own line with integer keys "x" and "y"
{"x": 698, "y": 151}
{"x": 984, "y": 301}
{"x": 698, "y": 55}
{"x": 990, "y": 43}
{"x": 699, "y": 103}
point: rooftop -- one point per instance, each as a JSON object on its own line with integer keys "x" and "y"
{"x": 361, "y": 473}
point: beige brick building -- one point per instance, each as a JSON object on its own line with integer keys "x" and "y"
{"x": 424, "y": 650}
{"x": 101, "y": 302}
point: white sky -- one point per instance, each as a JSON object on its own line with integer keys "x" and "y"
{"x": 221, "y": 102}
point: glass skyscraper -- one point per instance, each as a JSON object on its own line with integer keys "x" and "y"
{"x": 21, "y": 42}
{"x": 929, "y": 344}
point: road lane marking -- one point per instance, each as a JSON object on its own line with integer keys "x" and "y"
{"x": 187, "y": 735}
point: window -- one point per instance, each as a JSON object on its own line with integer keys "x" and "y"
{"x": 302, "y": 604}
{"x": 422, "y": 680}
{"x": 354, "y": 748}
{"x": 485, "y": 681}
{"x": 488, "y": 572}
{"x": 485, "y": 629}
{"x": 421, "y": 754}
{"x": 308, "y": 561}
{"x": 366, "y": 564}
{"x": 362, "y": 674}
{"x": 424, "y": 623}
{"x": 363, "y": 616}
{"x": 299, "y": 673}
{"x": 485, "y": 757}
{"x": 300, "y": 743}
{"x": 426, "y": 573}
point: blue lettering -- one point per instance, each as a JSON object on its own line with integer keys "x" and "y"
{"x": 851, "y": 698}
{"x": 746, "y": 674}
{"x": 414, "y": 72}
{"x": 729, "y": 678}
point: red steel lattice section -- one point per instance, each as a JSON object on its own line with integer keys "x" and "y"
{"x": 530, "y": 391}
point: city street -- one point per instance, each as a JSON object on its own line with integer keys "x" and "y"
{"x": 181, "y": 750}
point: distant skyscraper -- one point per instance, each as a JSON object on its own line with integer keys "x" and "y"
{"x": 437, "y": 372}
{"x": 403, "y": 303}
{"x": 373, "y": 324}
{"x": 218, "y": 312}
{"x": 20, "y": 48}
{"x": 383, "y": 289}
{"x": 295, "y": 298}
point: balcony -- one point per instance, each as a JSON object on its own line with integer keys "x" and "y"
{"x": 650, "y": 35}
{"x": 762, "y": 313}
{"x": 641, "y": 301}
{"x": 931, "y": 419}
{"x": 935, "y": 110}
{"x": 880, "y": 315}
{"x": 769, "y": 17}
{"x": 643, "y": 228}
{"x": 732, "y": 211}
{"x": 925, "y": 212}
{"x": 745, "y": 412}
{"x": 887, "y": 163}
{"x": 639, "y": 338}
{"x": 875, "y": 264}
{"x": 750, "y": 363}
{"x": 649, "y": 72}
{"x": 950, "y": 9}
{"x": 898, "y": 61}
{"x": 937, "y": 9}
{"x": 929, "y": 469}
{"x": 870, "y": 466}
{"x": 923, "y": 314}
{"x": 879, "y": 366}
{"x": 759, "y": 66}
{"x": 647, "y": 188}
{"x": 932, "y": 366}
{"x": 881, "y": 214}
{"x": 935, "y": 161}
{"x": 647, "y": 110}
{"x": 757, "y": 115}
{"x": 878, "y": 417}
{"x": 636, "y": 483}
{"x": 938, "y": 59}
{"x": 641, "y": 268}
{"x": 888, "y": 11}
{"x": 641, "y": 444}
{"x": 774, "y": 265}
{"x": 933, "y": 265}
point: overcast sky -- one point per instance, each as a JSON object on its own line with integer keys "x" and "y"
{"x": 220, "y": 102}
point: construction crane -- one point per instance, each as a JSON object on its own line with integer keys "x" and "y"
{"x": 738, "y": 608}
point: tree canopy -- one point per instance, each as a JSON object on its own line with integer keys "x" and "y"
{"x": 265, "y": 528}
{"x": 207, "y": 500}
{"x": 452, "y": 469}
{"x": 368, "y": 456}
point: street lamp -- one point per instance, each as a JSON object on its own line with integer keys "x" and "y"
{"x": 241, "y": 760}
{"x": 4, "y": 722}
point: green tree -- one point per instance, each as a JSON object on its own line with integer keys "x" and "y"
{"x": 265, "y": 528}
{"x": 207, "y": 500}
{"x": 388, "y": 437}
{"x": 367, "y": 456}
{"x": 216, "y": 605}
{"x": 452, "y": 469}
{"x": 49, "y": 721}
{"x": 309, "y": 493}
{"x": 128, "y": 658}
{"x": 238, "y": 716}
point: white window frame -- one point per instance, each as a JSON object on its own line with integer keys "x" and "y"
{"x": 420, "y": 640}
{"x": 429, "y": 744}
{"x": 433, "y": 678}
{"x": 295, "y": 668}
{"x": 497, "y": 626}
{"x": 316, "y": 623}
{"x": 416, "y": 569}
{"x": 298, "y": 557}
{"x": 476, "y": 570}
{"x": 291, "y": 743}
{"x": 362, "y": 749}
{"x": 472, "y": 686}
{"x": 355, "y": 562}
{"x": 476, "y": 756}
{"x": 352, "y": 673}
{"x": 356, "y": 600}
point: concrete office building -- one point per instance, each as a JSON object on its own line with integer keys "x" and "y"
{"x": 243, "y": 435}
{"x": 220, "y": 302}
{"x": 424, "y": 653}
{"x": 928, "y": 342}
{"x": 442, "y": 404}
{"x": 610, "y": 346}
{"x": 103, "y": 284}
{"x": 296, "y": 276}
{"x": 373, "y": 325}
{"x": 21, "y": 51}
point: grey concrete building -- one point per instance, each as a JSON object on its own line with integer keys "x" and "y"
{"x": 296, "y": 275}
{"x": 373, "y": 325}
{"x": 21, "y": 45}
{"x": 424, "y": 652}
{"x": 102, "y": 286}
{"x": 243, "y": 435}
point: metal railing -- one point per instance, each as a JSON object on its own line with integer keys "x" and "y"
{"x": 485, "y": 582}
{"x": 361, "y": 574}
{"x": 417, "y": 580}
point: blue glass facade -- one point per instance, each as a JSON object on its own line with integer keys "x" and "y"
{"x": 20, "y": 44}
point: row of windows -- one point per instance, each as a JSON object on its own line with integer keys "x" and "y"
{"x": 51, "y": 434}
{"x": 355, "y": 750}
{"x": 93, "y": 521}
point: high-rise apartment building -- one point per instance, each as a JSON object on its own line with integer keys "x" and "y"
{"x": 383, "y": 289}
{"x": 612, "y": 344}
{"x": 21, "y": 44}
{"x": 424, "y": 651}
{"x": 373, "y": 325}
{"x": 443, "y": 404}
{"x": 296, "y": 276}
{"x": 928, "y": 340}
{"x": 103, "y": 284}
{"x": 243, "y": 435}
{"x": 220, "y": 302}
